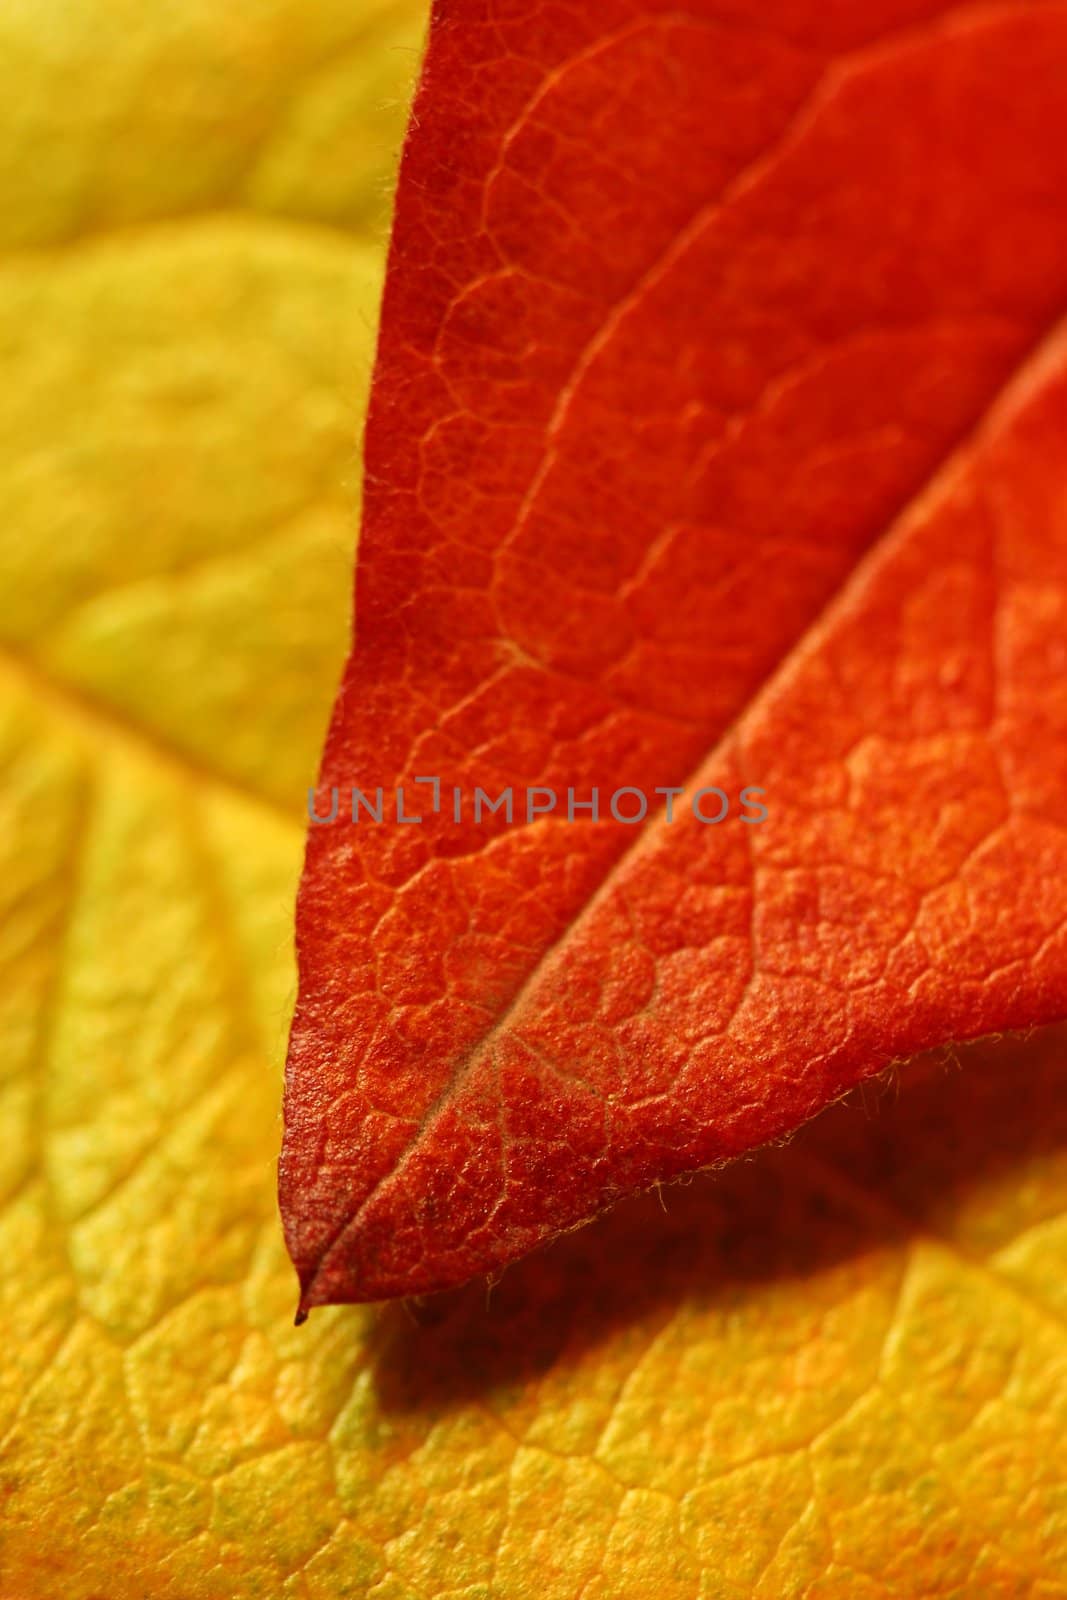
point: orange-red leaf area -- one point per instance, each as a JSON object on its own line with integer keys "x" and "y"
{"x": 717, "y": 436}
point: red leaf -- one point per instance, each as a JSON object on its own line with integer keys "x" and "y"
{"x": 717, "y": 438}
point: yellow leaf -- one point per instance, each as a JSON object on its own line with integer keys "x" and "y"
{"x": 837, "y": 1371}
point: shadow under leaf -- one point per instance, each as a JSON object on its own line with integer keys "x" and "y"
{"x": 969, "y": 1145}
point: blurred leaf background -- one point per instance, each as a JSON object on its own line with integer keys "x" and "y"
{"x": 836, "y": 1371}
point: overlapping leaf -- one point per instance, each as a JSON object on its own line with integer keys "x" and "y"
{"x": 719, "y": 446}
